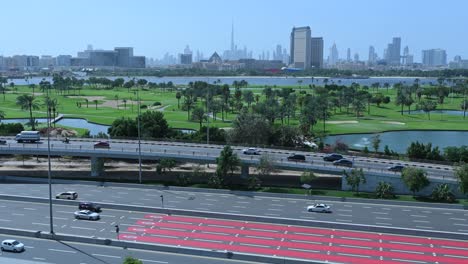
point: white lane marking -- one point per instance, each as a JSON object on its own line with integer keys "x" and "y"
{"x": 277, "y": 204}
{"x": 418, "y": 215}
{"x": 420, "y": 221}
{"x": 382, "y": 213}
{"x": 405, "y": 243}
{"x": 65, "y": 212}
{"x": 242, "y": 202}
{"x": 5, "y": 220}
{"x": 407, "y": 251}
{"x": 273, "y": 214}
{"x": 425, "y": 227}
{"x": 85, "y": 228}
{"x": 259, "y": 237}
{"x": 208, "y": 240}
{"x": 107, "y": 256}
{"x": 347, "y": 205}
{"x": 454, "y": 256}
{"x": 264, "y": 230}
{"x": 155, "y": 235}
{"x": 209, "y": 204}
{"x": 254, "y": 245}
{"x": 61, "y": 250}
{"x": 447, "y": 213}
{"x": 345, "y": 215}
{"x": 232, "y": 227}
{"x": 28, "y": 247}
{"x": 154, "y": 261}
{"x": 353, "y": 255}
{"x": 378, "y": 223}
{"x": 343, "y": 220}
{"x": 274, "y": 209}
{"x": 202, "y": 209}
{"x": 308, "y": 234}
{"x": 58, "y": 218}
{"x": 458, "y": 219}
{"x": 351, "y": 246}
{"x": 17, "y": 214}
{"x": 307, "y": 242}
{"x": 239, "y": 206}
{"x": 215, "y": 233}
{"x": 345, "y": 210}
{"x": 356, "y": 238}
{"x": 460, "y": 224}
{"x": 406, "y": 210}
{"x": 36, "y": 258}
{"x": 383, "y": 218}
{"x": 232, "y": 211}
{"x": 407, "y": 260}
{"x": 31, "y": 209}
{"x": 304, "y": 250}
{"x": 386, "y": 208}
{"x": 454, "y": 247}
{"x": 212, "y": 200}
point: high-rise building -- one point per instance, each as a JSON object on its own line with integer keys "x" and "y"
{"x": 278, "y": 54}
{"x": 316, "y": 45}
{"x": 333, "y": 58}
{"x": 356, "y": 57}
{"x": 434, "y": 57}
{"x": 348, "y": 55}
{"x": 372, "y": 55}
{"x": 393, "y": 53}
{"x": 124, "y": 55}
{"x": 300, "y": 47}
{"x": 63, "y": 60}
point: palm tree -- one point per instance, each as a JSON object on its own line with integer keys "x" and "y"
{"x": 33, "y": 87}
{"x": 125, "y": 103}
{"x": 87, "y": 103}
{"x": 2, "y": 115}
{"x": 28, "y": 102}
{"x": 178, "y": 96}
{"x": 117, "y": 100}
{"x": 51, "y": 104}
{"x": 95, "y": 102}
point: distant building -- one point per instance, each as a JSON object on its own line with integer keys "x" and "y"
{"x": 185, "y": 59}
{"x": 63, "y": 60}
{"x": 47, "y": 61}
{"x": 119, "y": 57}
{"x": 103, "y": 58}
{"x": 348, "y": 55}
{"x": 138, "y": 62}
{"x": 316, "y": 45}
{"x": 333, "y": 58}
{"x": 372, "y": 56}
{"x": 434, "y": 57}
{"x": 252, "y": 64}
{"x": 356, "y": 57}
{"x": 300, "y": 48}
{"x": 124, "y": 55}
{"x": 23, "y": 62}
{"x": 393, "y": 52}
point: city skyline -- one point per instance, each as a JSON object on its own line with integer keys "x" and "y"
{"x": 122, "y": 22}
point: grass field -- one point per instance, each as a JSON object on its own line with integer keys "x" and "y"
{"x": 110, "y": 106}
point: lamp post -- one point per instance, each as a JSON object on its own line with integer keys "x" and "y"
{"x": 139, "y": 135}
{"x": 49, "y": 174}
{"x": 162, "y": 201}
{"x": 208, "y": 117}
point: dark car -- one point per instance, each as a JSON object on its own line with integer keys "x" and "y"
{"x": 343, "y": 162}
{"x": 89, "y": 206}
{"x": 396, "y": 168}
{"x": 2, "y": 142}
{"x": 332, "y": 157}
{"x": 102, "y": 144}
{"x": 296, "y": 157}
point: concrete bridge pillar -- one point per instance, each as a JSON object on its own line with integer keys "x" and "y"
{"x": 97, "y": 167}
{"x": 244, "y": 171}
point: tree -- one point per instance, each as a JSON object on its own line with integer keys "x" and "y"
{"x": 415, "y": 179}
{"x": 178, "y": 96}
{"x": 131, "y": 260}
{"x": 266, "y": 165}
{"x": 464, "y": 107}
{"x": 123, "y": 127}
{"x": 227, "y": 163}
{"x": 198, "y": 114}
{"x": 2, "y": 115}
{"x": 165, "y": 165}
{"x": 462, "y": 175}
{"x": 384, "y": 190}
{"x": 116, "y": 97}
{"x": 376, "y": 142}
{"x": 95, "y": 102}
{"x": 248, "y": 97}
{"x": 154, "y": 125}
{"x": 427, "y": 106}
{"x": 51, "y": 104}
{"x": 28, "y": 102}
{"x": 355, "y": 179}
{"x": 443, "y": 193}
{"x": 249, "y": 128}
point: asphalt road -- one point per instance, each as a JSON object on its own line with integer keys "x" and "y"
{"x": 422, "y": 218}
{"x": 313, "y": 160}
{"x": 49, "y": 251}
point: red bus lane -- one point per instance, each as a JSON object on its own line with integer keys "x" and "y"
{"x": 294, "y": 241}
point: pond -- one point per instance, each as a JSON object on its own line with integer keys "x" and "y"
{"x": 399, "y": 141}
{"x": 93, "y": 128}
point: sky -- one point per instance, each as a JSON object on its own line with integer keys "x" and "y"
{"x": 154, "y": 27}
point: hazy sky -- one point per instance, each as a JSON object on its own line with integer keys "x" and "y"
{"x": 155, "y": 27}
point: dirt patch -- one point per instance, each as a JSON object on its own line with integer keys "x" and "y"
{"x": 342, "y": 122}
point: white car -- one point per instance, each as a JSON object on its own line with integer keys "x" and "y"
{"x": 12, "y": 245}
{"x": 321, "y": 208}
{"x": 87, "y": 214}
{"x": 251, "y": 151}
{"x": 67, "y": 195}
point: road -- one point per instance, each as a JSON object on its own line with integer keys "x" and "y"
{"x": 49, "y": 252}
{"x": 422, "y": 218}
{"x": 216, "y": 234}
{"x": 205, "y": 153}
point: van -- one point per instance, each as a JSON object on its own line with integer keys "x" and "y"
{"x": 28, "y": 136}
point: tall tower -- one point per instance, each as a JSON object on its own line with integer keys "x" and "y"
{"x": 232, "y": 38}
{"x": 300, "y": 47}
{"x": 348, "y": 55}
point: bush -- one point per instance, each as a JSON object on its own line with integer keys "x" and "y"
{"x": 384, "y": 190}
{"x": 11, "y": 129}
{"x": 183, "y": 179}
{"x": 157, "y": 103}
{"x": 443, "y": 193}
{"x": 143, "y": 106}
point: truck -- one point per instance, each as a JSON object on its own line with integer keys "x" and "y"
{"x": 28, "y": 136}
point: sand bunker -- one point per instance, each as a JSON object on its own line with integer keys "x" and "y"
{"x": 342, "y": 122}
{"x": 392, "y": 123}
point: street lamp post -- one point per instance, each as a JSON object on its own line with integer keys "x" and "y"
{"x": 139, "y": 136}
{"x": 49, "y": 174}
{"x": 162, "y": 201}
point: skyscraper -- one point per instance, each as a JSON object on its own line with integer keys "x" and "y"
{"x": 333, "y": 58}
{"x": 300, "y": 47}
{"x": 372, "y": 55}
{"x": 393, "y": 53}
{"x": 434, "y": 57}
{"x": 348, "y": 55}
{"x": 316, "y": 52}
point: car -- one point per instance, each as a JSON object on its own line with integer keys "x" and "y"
{"x": 343, "y": 162}
{"x": 102, "y": 144}
{"x": 251, "y": 151}
{"x": 332, "y": 157}
{"x": 12, "y": 245}
{"x": 297, "y": 157}
{"x": 89, "y": 206}
{"x": 67, "y": 195}
{"x": 87, "y": 214}
{"x": 3, "y": 142}
{"x": 396, "y": 168}
{"x": 321, "y": 208}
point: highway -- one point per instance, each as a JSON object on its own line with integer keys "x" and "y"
{"x": 56, "y": 252}
{"x": 331, "y": 245}
{"x": 209, "y": 153}
{"x": 422, "y": 218}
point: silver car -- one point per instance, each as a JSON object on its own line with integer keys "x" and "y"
{"x": 87, "y": 214}
{"x": 321, "y": 208}
{"x": 251, "y": 151}
{"x": 12, "y": 245}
